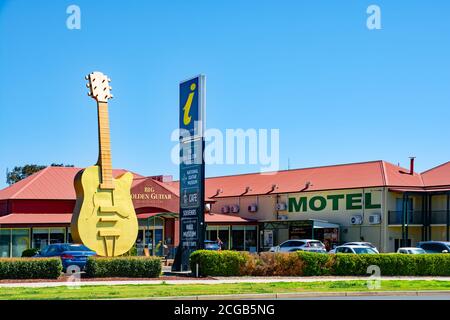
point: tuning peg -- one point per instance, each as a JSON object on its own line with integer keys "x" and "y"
{"x": 110, "y": 88}
{"x": 88, "y": 85}
{"x": 86, "y": 77}
{"x": 89, "y": 94}
{"x": 109, "y": 79}
{"x": 111, "y": 96}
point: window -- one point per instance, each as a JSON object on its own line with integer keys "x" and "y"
{"x": 285, "y": 244}
{"x": 40, "y": 238}
{"x": 57, "y": 235}
{"x": 45, "y": 236}
{"x": 237, "y": 238}
{"x": 296, "y": 243}
{"x": 13, "y": 242}
{"x": 5, "y": 240}
{"x": 434, "y": 247}
{"x": 364, "y": 250}
{"x": 250, "y": 238}
{"x": 20, "y": 241}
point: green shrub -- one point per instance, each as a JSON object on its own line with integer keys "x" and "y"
{"x": 301, "y": 263}
{"x": 217, "y": 263}
{"x": 30, "y": 268}
{"x": 130, "y": 267}
{"x": 29, "y": 252}
{"x": 316, "y": 264}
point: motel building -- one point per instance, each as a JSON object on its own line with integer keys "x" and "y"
{"x": 374, "y": 201}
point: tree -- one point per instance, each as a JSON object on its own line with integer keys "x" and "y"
{"x": 19, "y": 173}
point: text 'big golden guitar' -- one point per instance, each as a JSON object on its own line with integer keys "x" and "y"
{"x": 104, "y": 218}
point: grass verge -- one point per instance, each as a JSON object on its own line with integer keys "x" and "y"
{"x": 165, "y": 290}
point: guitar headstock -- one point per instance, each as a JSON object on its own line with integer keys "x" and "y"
{"x": 98, "y": 85}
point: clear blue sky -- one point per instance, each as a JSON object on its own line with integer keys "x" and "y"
{"x": 337, "y": 91}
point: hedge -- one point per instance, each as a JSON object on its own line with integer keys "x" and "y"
{"x": 301, "y": 263}
{"x": 130, "y": 267}
{"x": 30, "y": 268}
{"x": 29, "y": 252}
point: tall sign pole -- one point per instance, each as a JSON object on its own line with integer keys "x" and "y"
{"x": 192, "y": 170}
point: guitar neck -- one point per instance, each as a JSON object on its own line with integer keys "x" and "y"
{"x": 104, "y": 159}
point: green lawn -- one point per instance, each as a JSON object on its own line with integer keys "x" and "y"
{"x": 164, "y": 290}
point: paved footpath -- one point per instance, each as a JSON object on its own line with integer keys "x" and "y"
{"x": 216, "y": 280}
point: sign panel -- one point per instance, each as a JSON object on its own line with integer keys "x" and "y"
{"x": 192, "y": 171}
{"x": 192, "y": 101}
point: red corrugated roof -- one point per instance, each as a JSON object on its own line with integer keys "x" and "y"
{"x": 437, "y": 176}
{"x": 343, "y": 176}
{"x": 49, "y": 183}
{"x": 57, "y": 182}
{"x": 36, "y": 218}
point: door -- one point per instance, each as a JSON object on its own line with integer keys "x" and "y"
{"x": 399, "y": 210}
{"x": 149, "y": 241}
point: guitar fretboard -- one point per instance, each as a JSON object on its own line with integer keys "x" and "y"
{"x": 105, "y": 161}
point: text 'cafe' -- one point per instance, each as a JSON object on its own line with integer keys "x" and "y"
{"x": 373, "y": 201}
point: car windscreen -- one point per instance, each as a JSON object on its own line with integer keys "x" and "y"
{"x": 211, "y": 245}
{"x": 76, "y": 247}
{"x": 364, "y": 250}
{"x": 315, "y": 244}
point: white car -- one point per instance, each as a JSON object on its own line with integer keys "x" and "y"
{"x": 361, "y": 243}
{"x": 301, "y": 244}
{"x": 411, "y": 250}
{"x": 354, "y": 249}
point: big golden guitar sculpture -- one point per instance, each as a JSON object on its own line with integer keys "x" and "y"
{"x": 104, "y": 218}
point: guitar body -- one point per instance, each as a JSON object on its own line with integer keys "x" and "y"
{"x": 104, "y": 219}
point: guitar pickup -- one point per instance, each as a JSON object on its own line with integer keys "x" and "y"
{"x": 109, "y": 233}
{"x": 106, "y": 209}
{"x": 108, "y": 219}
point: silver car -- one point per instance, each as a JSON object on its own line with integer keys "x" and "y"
{"x": 300, "y": 244}
{"x": 355, "y": 249}
{"x": 361, "y": 243}
{"x": 411, "y": 250}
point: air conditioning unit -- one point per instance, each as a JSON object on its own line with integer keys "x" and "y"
{"x": 375, "y": 219}
{"x": 281, "y": 206}
{"x": 235, "y": 208}
{"x": 252, "y": 208}
{"x": 356, "y": 220}
{"x": 225, "y": 209}
{"x": 282, "y": 217}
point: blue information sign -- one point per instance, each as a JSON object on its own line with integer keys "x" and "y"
{"x": 192, "y": 171}
{"x": 192, "y": 101}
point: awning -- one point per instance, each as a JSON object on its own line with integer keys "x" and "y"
{"x": 36, "y": 218}
{"x": 412, "y": 190}
{"x": 225, "y": 218}
{"x": 318, "y": 224}
{"x": 157, "y": 214}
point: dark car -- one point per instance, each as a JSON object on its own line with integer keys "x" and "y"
{"x": 70, "y": 254}
{"x": 435, "y": 246}
{"x": 211, "y": 245}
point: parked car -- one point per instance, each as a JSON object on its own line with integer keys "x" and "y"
{"x": 70, "y": 254}
{"x": 435, "y": 246}
{"x": 354, "y": 249}
{"x": 302, "y": 245}
{"x": 411, "y": 250}
{"x": 362, "y": 243}
{"x": 211, "y": 245}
